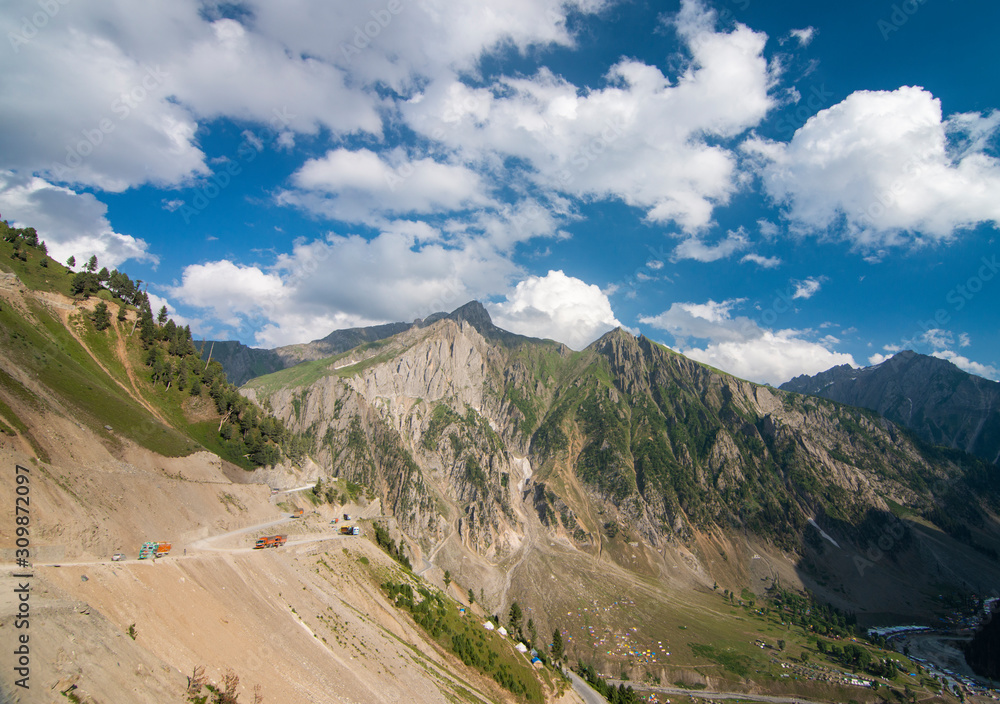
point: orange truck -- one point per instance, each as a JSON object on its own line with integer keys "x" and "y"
{"x": 297, "y": 513}
{"x": 270, "y": 541}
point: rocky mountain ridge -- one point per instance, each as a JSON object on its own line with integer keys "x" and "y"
{"x": 495, "y": 445}
{"x": 938, "y": 401}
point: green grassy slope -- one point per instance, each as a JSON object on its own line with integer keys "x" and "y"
{"x": 92, "y": 387}
{"x": 47, "y": 350}
{"x": 121, "y": 374}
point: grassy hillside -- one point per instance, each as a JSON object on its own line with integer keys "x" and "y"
{"x": 85, "y": 386}
{"x": 84, "y": 345}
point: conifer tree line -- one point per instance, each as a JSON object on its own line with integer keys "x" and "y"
{"x": 621, "y": 694}
{"x": 246, "y": 431}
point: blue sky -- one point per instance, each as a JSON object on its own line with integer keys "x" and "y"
{"x": 770, "y": 187}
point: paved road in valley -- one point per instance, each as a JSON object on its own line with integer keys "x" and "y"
{"x": 586, "y": 692}
{"x": 707, "y": 694}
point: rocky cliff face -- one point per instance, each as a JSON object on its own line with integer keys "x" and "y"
{"x": 418, "y": 424}
{"x": 502, "y": 444}
{"x": 240, "y": 362}
{"x": 938, "y": 401}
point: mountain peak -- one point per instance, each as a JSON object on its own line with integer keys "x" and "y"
{"x": 475, "y": 313}
{"x": 616, "y": 335}
{"x": 941, "y": 403}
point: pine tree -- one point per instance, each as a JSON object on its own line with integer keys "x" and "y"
{"x": 101, "y": 316}
{"x": 515, "y": 617}
{"x": 71, "y": 262}
{"x": 92, "y": 264}
{"x": 147, "y": 331}
{"x": 557, "y": 645}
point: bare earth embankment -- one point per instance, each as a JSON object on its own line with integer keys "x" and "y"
{"x": 306, "y": 622}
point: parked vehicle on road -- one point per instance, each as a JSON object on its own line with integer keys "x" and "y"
{"x": 154, "y": 549}
{"x": 270, "y": 541}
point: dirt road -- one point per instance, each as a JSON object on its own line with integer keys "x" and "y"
{"x": 205, "y": 544}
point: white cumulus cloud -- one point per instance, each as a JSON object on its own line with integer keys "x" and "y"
{"x": 807, "y": 288}
{"x": 356, "y": 185}
{"x": 696, "y": 249}
{"x": 644, "y": 138}
{"x": 740, "y": 346}
{"x": 557, "y": 307}
{"x": 396, "y": 42}
{"x": 70, "y": 223}
{"x": 803, "y": 36}
{"x": 761, "y": 261}
{"x": 402, "y": 274}
{"x": 884, "y": 168}
{"x": 937, "y": 338}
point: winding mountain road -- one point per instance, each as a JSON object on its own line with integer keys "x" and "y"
{"x": 205, "y": 543}
{"x": 429, "y": 560}
{"x": 197, "y": 548}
